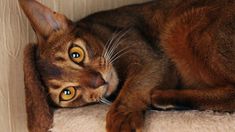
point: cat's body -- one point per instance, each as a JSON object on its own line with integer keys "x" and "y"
{"x": 161, "y": 54}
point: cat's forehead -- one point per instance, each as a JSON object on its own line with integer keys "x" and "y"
{"x": 60, "y": 43}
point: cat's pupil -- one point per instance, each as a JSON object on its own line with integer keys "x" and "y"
{"x": 75, "y": 55}
{"x": 67, "y": 92}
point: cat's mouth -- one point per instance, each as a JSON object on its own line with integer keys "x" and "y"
{"x": 103, "y": 98}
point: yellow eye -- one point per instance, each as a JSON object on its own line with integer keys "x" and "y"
{"x": 76, "y": 54}
{"x": 67, "y": 93}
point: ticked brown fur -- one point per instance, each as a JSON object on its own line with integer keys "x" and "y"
{"x": 39, "y": 113}
{"x": 181, "y": 54}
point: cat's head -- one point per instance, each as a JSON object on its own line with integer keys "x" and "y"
{"x": 71, "y": 61}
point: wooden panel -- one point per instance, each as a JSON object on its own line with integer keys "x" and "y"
{"x": 15, "y": 33}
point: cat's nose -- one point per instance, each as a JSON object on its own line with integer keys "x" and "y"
{"x": 98, "y": 81}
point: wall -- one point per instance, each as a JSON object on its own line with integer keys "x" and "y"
{"x": 15, "y": 33}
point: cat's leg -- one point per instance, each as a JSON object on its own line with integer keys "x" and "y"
{"x": 122, "y": 119}
{"x": 221, "y": 98}
{"x": 39, "y": 114}
{"x": 126, "y": 114}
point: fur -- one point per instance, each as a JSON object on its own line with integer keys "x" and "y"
{"x": 39, "y": 119}
{"x": 180, "y": 54}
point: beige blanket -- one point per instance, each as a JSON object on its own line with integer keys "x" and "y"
{"x": 92, "y": 119}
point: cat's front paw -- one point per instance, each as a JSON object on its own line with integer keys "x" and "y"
{"x": 119, "y": 119}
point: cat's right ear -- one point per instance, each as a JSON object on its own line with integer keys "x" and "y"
{"x": 43, "y": 20}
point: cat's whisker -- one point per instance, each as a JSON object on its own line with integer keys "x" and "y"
{"x": 118, "y": 41}
{"x": 106, "y": 47}
{"x": 105, "y": 101}
{"x": 115, "y": 47}
{"x": 119, "y": 53}
{"x": 118, "y": 56}
{"x": 112, "y": 45}
{"x": 105, "y": 53}
{"x": 109, "y": 42}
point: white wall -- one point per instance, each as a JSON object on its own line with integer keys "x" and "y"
{"x": 15, "y": 33}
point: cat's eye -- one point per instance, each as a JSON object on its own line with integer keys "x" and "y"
{"x": 68, "y": 93}
{"x": 76, "y": 54}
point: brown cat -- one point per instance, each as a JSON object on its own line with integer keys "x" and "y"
{"x": 161, "y": 53}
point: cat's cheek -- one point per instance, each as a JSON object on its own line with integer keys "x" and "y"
{"x": 91, "y": 95}
{"x": 54, "y": 96}
{"x": 112, "y": 82}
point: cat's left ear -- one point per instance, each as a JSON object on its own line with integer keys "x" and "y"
{"x": 43, "y": 20}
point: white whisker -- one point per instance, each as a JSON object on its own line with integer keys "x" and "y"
{"x": 107, "y": 45}
{"x": 109, "y": 52}
{"x": 117, "y": 42}
{"x": 105, "y": 101}
{"x": 119, "y": 52}
{"x": 118, "y": 57}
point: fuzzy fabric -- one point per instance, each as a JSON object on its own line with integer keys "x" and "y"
{"x": 92, "y": 119}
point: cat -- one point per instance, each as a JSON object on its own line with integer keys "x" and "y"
{"x": 161, "y": 54}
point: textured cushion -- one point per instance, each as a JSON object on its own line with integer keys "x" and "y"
{"x": 92, "y": 119}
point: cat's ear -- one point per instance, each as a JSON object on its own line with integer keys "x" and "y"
{"x": 43, "y": 20}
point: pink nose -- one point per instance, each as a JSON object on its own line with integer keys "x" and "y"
{"x": 92, "y": 79}
{"x": 99, "y": 81}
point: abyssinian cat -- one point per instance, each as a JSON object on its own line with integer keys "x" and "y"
{"x": 161, "y": 54}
